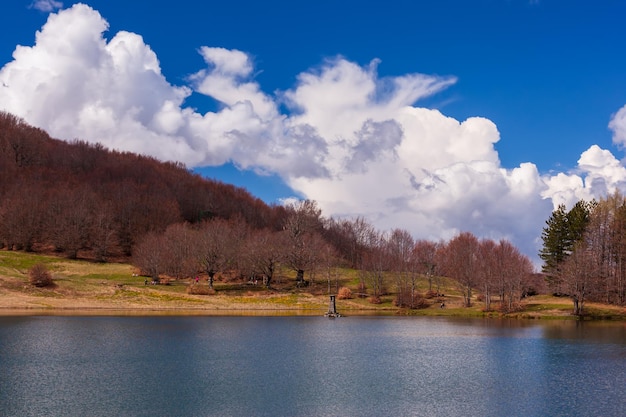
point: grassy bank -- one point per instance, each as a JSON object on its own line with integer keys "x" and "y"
{"x": 82, "y": 287}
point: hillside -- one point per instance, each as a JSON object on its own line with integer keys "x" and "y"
{"x": 82, "y": 200}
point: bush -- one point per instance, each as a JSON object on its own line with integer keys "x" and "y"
{"x": 404, "y": 299}
{"x": 196, "y": 289}
{"x": 374, "y": 300}
{"x": 344, "y": 293}
{"x": 512, "y": 308}
{"x": 431, "y": 294}
{"x": 39, "y": 276}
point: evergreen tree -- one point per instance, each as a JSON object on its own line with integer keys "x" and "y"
{"x": 577, "y": 220}
{"x": 563, "y": 230}
{"x": 555, "y": 238}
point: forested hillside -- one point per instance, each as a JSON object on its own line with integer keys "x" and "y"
{"x": 80, "y": 198}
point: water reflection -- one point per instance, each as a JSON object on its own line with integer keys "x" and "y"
{"x": 309, "y": 366}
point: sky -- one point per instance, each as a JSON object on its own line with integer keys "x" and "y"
{"x": 436, "y": 117}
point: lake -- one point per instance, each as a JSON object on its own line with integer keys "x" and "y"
{"x": 310, "y": 366}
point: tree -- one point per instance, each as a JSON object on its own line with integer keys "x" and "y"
{"x": 263, "y": 251}
{"x": 513, "y": 270}
{"x": 425, "y": 257}
{"x": 302, "y": 225}
{"x": 579, "y": 271}
{"x": 605, "y": 239}
{"x": 217, "y": 247}
{"x": 22, "y": 213}
{"x": 71, "y": 220}
{"x": 104, "y": 230}
{"x": 180, "y": 241}
{"x": 375, "y": 263}
{"x": 462, "y": 257}
{"x": 401, "y": 249}
{"x": 555, "y": 246}
{"x": 149, "y": 255}
{"x": 348, "y": 237}
{"x": 562, "y": 232}
{"x": 488, "y": 266}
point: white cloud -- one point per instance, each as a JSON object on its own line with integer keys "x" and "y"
{"x": 351, "y": 140}
{"x": 618, "y": 126}
{"x": 46, "y": 5}
{"x": 599, "y": 174}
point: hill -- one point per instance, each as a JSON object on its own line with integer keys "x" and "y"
{"x": 82, "y": 200}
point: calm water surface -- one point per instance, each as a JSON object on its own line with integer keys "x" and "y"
{"x": 309, "y": 366}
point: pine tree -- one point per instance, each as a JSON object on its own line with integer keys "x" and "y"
{"x": 564, "y": 229}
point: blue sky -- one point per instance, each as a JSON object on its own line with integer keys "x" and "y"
{"x": 433, "y": 116}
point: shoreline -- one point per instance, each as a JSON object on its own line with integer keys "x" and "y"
{"x": 83, "y": 288}
{"x": 164, "y": 311}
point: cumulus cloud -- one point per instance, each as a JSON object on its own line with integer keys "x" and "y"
{"x": 618, "y": 126}
{"x": 46, "y": 5}
{"x": 355, "y": 142}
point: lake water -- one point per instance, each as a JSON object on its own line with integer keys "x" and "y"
{"x": 309, "y": 366}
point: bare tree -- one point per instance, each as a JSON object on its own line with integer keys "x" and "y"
{"x": 104, "y": 229}
{"x": 425, "y": 257}
{"x": 513, "y": 271}
{"x": 149, "y": 255}
{"x": 462, "y": 263}
{"x": 579, "y": 271}
{"x": 303, "y": 226}
{"x": 180, "y": 242}
{"x": 216, "y": 247}
{"x": 488, "y": 267}
{"x": 22, "y": 214}
{"x": 263, "y": 251}
{"x": 405, "y": 267}
{"x": 71, "y": 220}
{"x": 375, "y": 264}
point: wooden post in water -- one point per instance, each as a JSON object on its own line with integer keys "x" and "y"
{"x": 332, "y": 308}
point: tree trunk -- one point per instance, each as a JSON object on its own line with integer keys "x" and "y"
{"x": 300, "y": 276}
{"x": 576, "y": 306}
{"x": 487, "y": 300}
{"x": 468, "y": 297}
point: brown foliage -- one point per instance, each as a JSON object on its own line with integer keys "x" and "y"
{"x": 431, "y": 294}
{"x": 374, "y": 299}
{"x": 39, "y": 276}
{"x": 406, "y": 299}
{"x": 344, "y": 293}
{"x": 83, "y": 198}
{"x": 197, "y": 289}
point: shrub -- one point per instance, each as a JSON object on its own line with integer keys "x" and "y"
{"x": 344, "y": 293}
{"x": 200, "y": 290}
{"x": 39, "y": 276}
{"x": 375, "y": 300}
{"x": 405, "y": 299}
{"x": 431, "y": 294}
{"x": 512, "y": 308}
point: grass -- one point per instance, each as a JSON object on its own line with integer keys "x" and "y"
{"x": 82, "y": 285}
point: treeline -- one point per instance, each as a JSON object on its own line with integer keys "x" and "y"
{"x": 80, "y": 199}
{"x": 386, "y": 262}
{"x": 584, "y": 251}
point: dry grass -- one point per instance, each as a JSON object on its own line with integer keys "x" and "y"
{"x": 82, "y": 287}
